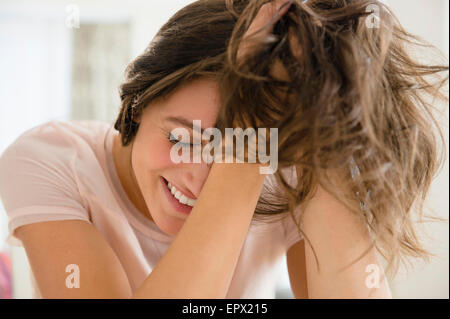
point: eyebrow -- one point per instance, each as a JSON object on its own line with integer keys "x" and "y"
{"x": 182, "y": 121}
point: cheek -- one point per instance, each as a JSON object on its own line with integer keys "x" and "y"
{"x": 156, "y": 155}
{"x": 160, "y": 155}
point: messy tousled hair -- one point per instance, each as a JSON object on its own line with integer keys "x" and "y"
{"x": 356, "y": 113}
{"x": 357, "y": 116}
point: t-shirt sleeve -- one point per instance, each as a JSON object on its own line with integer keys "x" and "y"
{"x": 292, "y": 234}
{"x": 37, "y": 182}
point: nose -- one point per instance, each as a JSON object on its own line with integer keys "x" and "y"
{"x": 195, "y": 175}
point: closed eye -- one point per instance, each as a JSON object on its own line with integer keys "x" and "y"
{"x": 173, "y": 140}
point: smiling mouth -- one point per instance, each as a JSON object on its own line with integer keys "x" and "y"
{"x": 179, "y": 196}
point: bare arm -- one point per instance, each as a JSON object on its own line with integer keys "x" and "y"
{"x": 201, "y": 260}
{"x": 338, "y": 239}
{"x": 199, "y": 263}
{"x": 52, "y": 246}
{"x": 296, "y": 265}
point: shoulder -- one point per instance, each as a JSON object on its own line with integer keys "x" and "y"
{"x": 49, "y": 159}
{"x": 45, "y": 173}
{"x": 54, "y": 142}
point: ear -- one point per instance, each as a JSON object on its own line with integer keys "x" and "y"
{"x": 136, "y": 118}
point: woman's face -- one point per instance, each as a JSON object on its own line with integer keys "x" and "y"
{"x": 152, "y": 164}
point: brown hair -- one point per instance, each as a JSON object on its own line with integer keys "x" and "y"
{"x": 356, "y": 117}
{"x": 190, "y": 45}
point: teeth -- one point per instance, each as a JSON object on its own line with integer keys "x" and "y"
{"x": 181, "y": 197}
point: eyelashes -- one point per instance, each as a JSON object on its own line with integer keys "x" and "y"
{"x": 171, "y": 138}
{"x": 174, "y": 141}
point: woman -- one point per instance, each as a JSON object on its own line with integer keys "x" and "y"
{"x": 354, "y": 152}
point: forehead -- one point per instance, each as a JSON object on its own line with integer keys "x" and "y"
{"x": 196, "y": 100}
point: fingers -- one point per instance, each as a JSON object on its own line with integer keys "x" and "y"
{"x": 269, "y": 13}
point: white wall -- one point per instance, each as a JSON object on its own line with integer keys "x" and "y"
{"x": 429, "y": 20}
{"x": 34, "y": 86}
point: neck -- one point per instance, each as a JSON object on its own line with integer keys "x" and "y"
{"x": 122, "y": 164}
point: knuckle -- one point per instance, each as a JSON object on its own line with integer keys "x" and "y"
{"x": 268, "y": 8}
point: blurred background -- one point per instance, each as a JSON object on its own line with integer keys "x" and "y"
{"x": 64, "y": 60}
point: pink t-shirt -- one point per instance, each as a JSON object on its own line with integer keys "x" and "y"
{"x": 65, "y": 170}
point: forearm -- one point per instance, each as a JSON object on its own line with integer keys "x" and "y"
{"x": 338, "y": 239}
{"x": 201, "y": 260}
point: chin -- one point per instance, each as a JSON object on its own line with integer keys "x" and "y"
{"x": 170, "y": 225}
